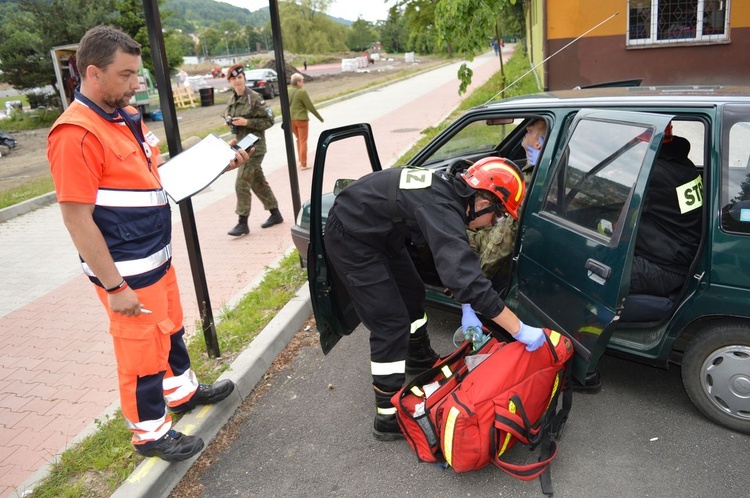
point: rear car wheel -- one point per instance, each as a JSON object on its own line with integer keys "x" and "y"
{"x": 716, "y": 375}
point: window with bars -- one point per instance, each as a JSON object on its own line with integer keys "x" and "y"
{"x": 677, "y": 21}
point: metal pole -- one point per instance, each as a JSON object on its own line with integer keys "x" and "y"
{"x": 172, "y": 131}
{"x": 278, "y": 50}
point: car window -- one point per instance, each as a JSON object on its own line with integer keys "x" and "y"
{"x": 596, "y": 174}
{"x": 695, "y": 133}
{"x": 735, "y": 165}
{"x": 476, "y": 137}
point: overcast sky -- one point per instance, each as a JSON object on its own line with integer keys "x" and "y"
{"x": 369, "y": 10}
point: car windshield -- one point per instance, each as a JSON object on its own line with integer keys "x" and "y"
{"x": 477, "y": 137}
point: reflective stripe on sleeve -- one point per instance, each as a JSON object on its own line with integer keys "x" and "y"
{"x": 130, "y": 198}
{"x": 390, "y": 368}
{"x": 138, "y": 266}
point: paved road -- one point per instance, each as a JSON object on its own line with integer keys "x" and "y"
{"x": 57, "y": 370}
{"x": 640, "y": 436}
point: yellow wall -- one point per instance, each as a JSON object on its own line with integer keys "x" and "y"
{"x": 572, "y": 18}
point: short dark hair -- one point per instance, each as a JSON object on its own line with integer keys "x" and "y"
{"x": 99, "y": 45}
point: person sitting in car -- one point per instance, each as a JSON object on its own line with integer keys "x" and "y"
{"x": 494, "y": 244}
{"x": 670, "y": 228}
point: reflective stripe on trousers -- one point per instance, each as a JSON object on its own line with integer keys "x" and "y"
{"x": 150, "y": 430}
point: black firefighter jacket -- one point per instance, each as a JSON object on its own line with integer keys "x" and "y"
{"x": 433, "y": 209}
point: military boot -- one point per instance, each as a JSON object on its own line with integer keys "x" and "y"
{"x": 240, "y": 229}
{"x": 420, "y": 356}
{"x": 386, "y": 426}
{"x": 274, "y": 219}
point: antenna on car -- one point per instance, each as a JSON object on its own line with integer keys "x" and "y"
{"x": 551, "y": 56}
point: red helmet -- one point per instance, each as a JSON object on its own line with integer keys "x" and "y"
{"x": 501, "y": 177}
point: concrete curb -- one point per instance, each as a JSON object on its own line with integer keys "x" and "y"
{"x": 155, "y": 477}
{"x": 24, "y": 207}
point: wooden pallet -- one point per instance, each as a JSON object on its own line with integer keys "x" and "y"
{"x": 183, "y": 97}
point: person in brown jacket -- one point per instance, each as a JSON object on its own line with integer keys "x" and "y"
{"x": 299, "y": 105}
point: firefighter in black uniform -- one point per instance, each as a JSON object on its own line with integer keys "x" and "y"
{"x": 669, "y": 232}
{"x": 366, "y": 232}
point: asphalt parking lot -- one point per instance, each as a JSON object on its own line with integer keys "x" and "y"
{"x": 308, "y": 434}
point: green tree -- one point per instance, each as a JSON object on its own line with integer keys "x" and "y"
{"x": 419, "y": 16}
{"x": 253, "y": 36}
{"x": 393, "y": 32}
{"x": 32, "y": 27}
{"x": 305, "y": 32}
{"x": 467, "y": 26}
{"x": 361, "y": 35}
{"x": 211, "y": 42}
{"x": 132, "y": 20}
{"x": 312, "y": 7}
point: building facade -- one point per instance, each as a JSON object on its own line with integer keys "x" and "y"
{"x": 661, "y": 42}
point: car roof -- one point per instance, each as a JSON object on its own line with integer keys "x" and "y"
{"x": 258, "y": 72}
{"x": 680, "y": 96}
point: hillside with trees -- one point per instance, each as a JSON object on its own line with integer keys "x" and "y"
{"x": 207, "y": 28}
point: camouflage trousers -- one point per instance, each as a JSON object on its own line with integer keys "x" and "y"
{"x": 250, "y": 177}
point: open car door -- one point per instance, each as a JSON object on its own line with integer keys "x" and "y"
{"x": 578, "y": 229}
{"x": 334, "y": 313}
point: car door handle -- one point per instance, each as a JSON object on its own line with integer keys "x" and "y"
{"x": 597, "y": 271}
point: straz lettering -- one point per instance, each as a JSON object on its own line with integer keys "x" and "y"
{"x": 690, "y": 195}
{"x": 413, "y": 178}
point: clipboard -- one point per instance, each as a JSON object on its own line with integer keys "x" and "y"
{"x": 196, "y": 168}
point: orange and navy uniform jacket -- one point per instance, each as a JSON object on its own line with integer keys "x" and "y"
{"x": 111, "y": 160}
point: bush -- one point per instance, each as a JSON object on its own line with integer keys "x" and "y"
{"x": 46, "y": 100}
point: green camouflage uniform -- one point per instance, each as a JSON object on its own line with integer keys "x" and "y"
{"x": 250, "y": 175}
{"x": 494, "y": 244}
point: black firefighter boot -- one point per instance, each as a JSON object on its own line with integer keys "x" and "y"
{"x": 274, "y": 219}
{"x": 420, "y": 356}
{"x": 386, "y": 426}
{"x": 240, "y": 229}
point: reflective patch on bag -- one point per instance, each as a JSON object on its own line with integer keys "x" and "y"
{"x": 450, "y": 426}
{"x": 554, "y": 337}
{"x": 508, "y": 435}
{"x": 414, "y": 178}
{"x": 690, "y": 195}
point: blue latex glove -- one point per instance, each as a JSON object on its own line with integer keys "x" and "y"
{"x": 469, "y": 318}
{"x": 532, "y": 153}
{"x": 531, "y": 336}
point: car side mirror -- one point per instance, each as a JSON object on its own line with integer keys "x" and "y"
{"x": 340, "y": 185}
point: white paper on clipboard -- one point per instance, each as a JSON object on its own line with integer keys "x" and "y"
{"x": 196, "y": 168}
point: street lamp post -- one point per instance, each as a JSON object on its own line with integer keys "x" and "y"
{"x": 226, "y": 43}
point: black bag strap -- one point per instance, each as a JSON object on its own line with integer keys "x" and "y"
{"x": 554, "y": 429}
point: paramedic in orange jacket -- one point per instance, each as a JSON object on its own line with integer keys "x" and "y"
{"x": 104, "y": 165}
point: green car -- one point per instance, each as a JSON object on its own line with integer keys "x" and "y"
{"x": 571, "y": 268}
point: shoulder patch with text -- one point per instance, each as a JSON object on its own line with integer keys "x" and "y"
{"x": 414, "y": 178}
{"x": 690, "y": 195}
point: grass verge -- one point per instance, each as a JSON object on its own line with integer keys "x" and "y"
{"x": 100, "y": 463}
{"x": 27, "y": 191}
{"x": 516, "y": 66}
